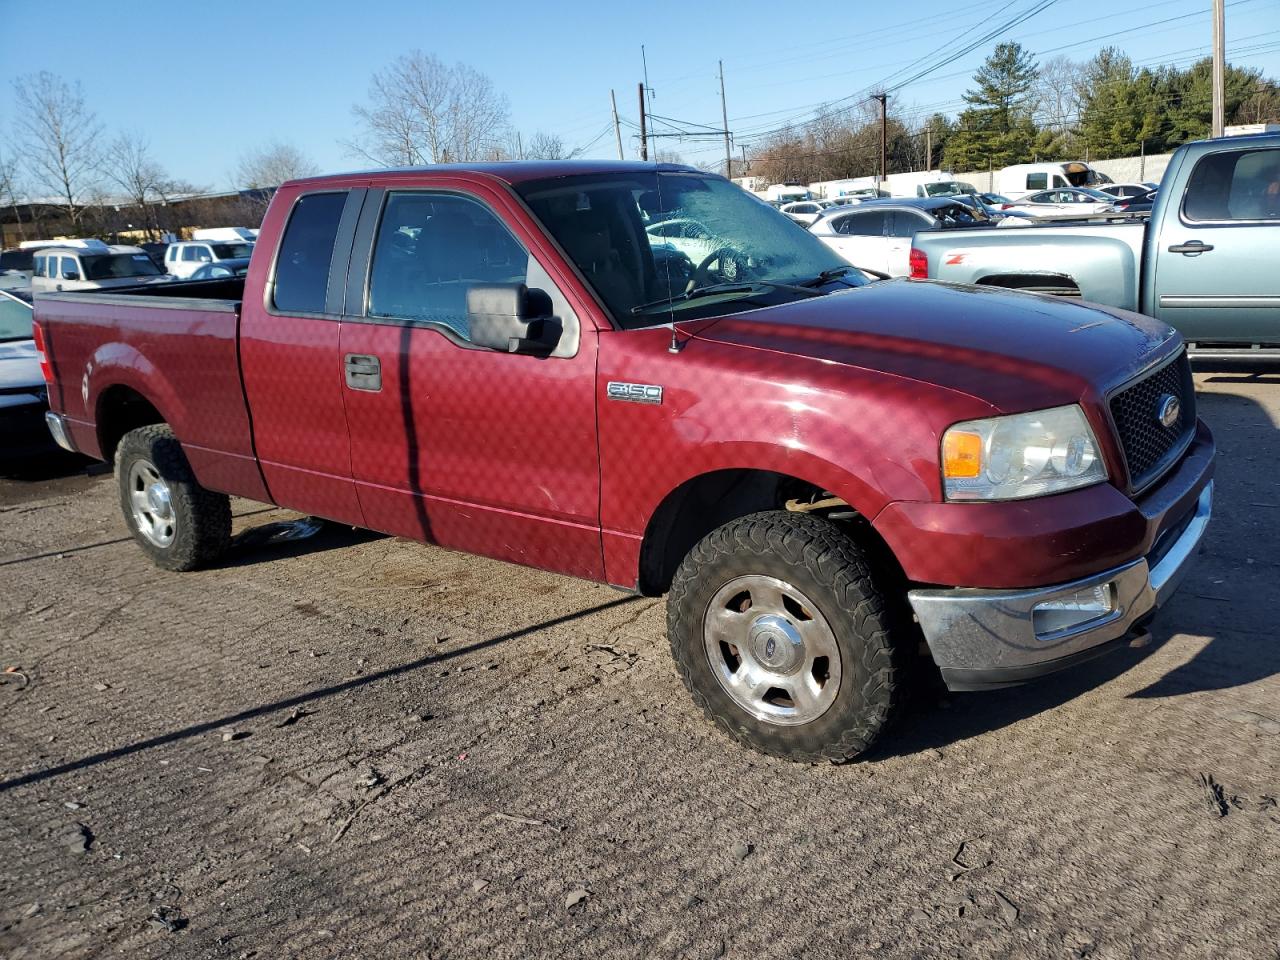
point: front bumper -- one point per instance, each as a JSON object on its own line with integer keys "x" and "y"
{"x": 987, "y": 638}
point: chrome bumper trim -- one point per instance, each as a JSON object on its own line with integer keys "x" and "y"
{"x": 991, "y": 630}
{"x": 58, "y": 428}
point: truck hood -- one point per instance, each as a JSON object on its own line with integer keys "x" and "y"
{"x": 1015, "y": 351}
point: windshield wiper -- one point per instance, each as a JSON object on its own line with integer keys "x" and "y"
{"x": 826, "y": 276}
{"x": 711, "y": 289}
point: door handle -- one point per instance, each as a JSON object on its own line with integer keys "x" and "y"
{"x": 1191, "y": 248}
{"x": 363, "y": 372}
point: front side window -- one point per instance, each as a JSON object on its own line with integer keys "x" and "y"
{"x": 190, "y": 254}
{"x": 70, "y": 269}
{"x": 1240, "y": 185}
{"x": 434, "y": 247}
{"x": 302, "y": 265}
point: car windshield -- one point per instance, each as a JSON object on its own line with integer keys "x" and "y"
{"x": 15, "y": 319}
{"x": 740, "y": 250}
{"x": 113, "y": 266}
{"x": 231, "y": 251}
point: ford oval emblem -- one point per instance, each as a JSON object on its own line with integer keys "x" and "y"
{"x": 1168, "y": 410}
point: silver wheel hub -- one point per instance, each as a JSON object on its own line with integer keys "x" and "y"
{"x": 772, "y": 650}
{"x": 151, "y": 503}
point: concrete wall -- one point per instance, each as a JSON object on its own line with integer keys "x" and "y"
{"x": 1121, "y": 170}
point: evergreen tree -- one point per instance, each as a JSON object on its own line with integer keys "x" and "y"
{"x": 997, "y": 128}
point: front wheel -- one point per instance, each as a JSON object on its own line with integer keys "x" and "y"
{"x": 782, "y": 635}
{"x": 178, "y": 523}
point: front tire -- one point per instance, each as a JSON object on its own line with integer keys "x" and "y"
{"x": 784, "y": 638}
{"x": 178, "y": 523}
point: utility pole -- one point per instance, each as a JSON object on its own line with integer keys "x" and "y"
{"x": 617, "y": 128}
{"x": 1219, "y": 67}
{"x": 644, "y": 144}
{"x": 884, "y": 131}
{"x": 928, "y": 148}
{"x": 724, "y": 116}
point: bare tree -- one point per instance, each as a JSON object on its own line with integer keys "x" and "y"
{"x": 128, "y": 165}
{"x": 58, "y": 137}
{"x": 1057, "y": 95}
{"x": 422, "y": 110}
{"x": 269, "y": 166}
{"x": 9, "y": 193}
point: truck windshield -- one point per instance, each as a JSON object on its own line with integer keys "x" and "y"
{"x": 231, "y": 251}
{"x": 113, "y": 266}
{"x": 619, "y": 229}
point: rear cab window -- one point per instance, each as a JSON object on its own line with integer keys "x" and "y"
{"x": 301, "y": 280}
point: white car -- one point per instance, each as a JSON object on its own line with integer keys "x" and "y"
{"x": 686, "y": 235}
{"x": 92, "y": 265}
{"x": 1065, "y": 202}
{"x": 185, "y": 257}
{"x": 803, "y": 212}
{"x": 1125, "y": 191}
{"x": 876, "y": 235}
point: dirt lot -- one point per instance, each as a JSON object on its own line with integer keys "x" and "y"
{"x": 357, "y": 746}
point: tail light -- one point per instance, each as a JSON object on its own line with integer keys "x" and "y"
{"x": 46, "y": 371}
{"x": 1121, "y": 206}
{"x": 1006, "y": 206}
{"x": 919, "y": 264}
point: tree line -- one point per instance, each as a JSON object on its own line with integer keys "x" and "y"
{"x": 1018, "y": 110}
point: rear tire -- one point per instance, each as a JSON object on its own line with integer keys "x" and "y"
{"x": 178, "y": 523}
{"x": 783, "y": 637}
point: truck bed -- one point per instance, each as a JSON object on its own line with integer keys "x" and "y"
{"x": 170, "y": 346}
{"x": 1094, "y": 261}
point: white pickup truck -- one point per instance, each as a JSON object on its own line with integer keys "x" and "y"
{"x": 1206, "y": 262}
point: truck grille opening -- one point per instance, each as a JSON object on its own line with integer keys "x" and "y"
{"x": 1150, "y": 447}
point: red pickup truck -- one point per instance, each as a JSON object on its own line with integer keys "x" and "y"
{"x": 544, "y": 363}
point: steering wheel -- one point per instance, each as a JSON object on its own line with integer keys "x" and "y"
{"x": 732, "y": 268}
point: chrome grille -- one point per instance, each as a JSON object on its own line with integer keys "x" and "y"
{"x": 1150, "y": 447}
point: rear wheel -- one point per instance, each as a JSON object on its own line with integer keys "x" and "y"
{"x": 783, "y": 636}
{"x": 178, "y": 523}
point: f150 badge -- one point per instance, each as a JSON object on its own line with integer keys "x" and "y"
{"x": 635, "y": 392}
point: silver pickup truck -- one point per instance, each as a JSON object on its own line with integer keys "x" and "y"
{"x": 1207, "y": 262}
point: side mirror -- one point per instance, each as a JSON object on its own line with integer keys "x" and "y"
{"x": 70, "y": 274}
{"x": 512, "y": 318}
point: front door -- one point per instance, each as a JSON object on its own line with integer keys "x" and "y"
{"x": 289, "y": 354}
{"x": 1217, "y": 264}
{"x": 483, "y": 451}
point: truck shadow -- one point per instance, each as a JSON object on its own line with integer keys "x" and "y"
{"x": 305, "y": 697}
{"x": 280, "y": 539}
{"x": 1222, "y": 615}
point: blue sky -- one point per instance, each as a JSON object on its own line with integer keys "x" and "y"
{"x": 207, "y": 82}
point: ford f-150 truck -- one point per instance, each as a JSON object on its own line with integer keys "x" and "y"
{"x": 1206, "y": 262}
{"x": 821, "y": 471}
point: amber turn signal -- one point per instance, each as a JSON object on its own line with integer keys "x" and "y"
{"x": 961, "y": 455}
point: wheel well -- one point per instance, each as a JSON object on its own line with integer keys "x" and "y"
{"x": 121, "y": 409}
{"x": 710, "y": 500}
{"x": 1056, "y": 284}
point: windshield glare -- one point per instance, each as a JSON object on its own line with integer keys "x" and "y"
{"x": 618, "y": 230}
{"x": 15, "y": 320}
{"x": 113, "y": 266}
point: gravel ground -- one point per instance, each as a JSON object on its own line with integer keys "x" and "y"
{"x": 357, "y": 746}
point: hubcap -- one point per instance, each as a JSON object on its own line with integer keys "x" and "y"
{"x": 772, "y": 650}
{"x": 151, "y": 504}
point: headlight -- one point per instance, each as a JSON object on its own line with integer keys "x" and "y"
{"x": 1024, "y": 455}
